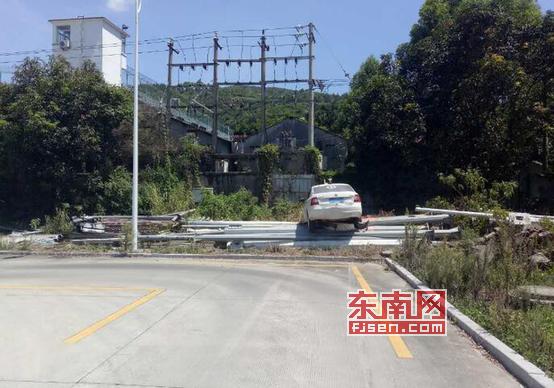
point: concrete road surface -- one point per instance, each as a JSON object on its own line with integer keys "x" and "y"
{"x": 183, "y": 323}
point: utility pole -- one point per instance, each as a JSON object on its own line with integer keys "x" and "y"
{"x": 135, "y": 231}
{"x": 262, "y": 60}
{"x": 311, "y": 41}
{"x": 215, "y": 124}
{"x": 171, "y": 50}
{"x": 263, "y": 48}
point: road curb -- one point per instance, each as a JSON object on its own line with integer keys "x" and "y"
{"x": 232, "y": 256}
{"x": 526, "y": 372}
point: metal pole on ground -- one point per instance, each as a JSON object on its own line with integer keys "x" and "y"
{"x": 134, "y": 245}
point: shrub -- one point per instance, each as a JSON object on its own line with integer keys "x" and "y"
{"x": 116, "y": 192}
{"x": 284, "y": 210}
{"x": 453, "y": 269}
{"x": 313, "y": 161}
{"x": 547, "y": 225}
{"x": 189, "y": 159}
{"x": 59, "y": 222}
{"x": 126, "y": 236}
{"x": 241, "y": 205}
{"x": 154, "y": 201}
{"x": 469, "y": 190}
{"x": 160, "y": 191}
{"x": 268, "y": 157}
{"x": 482, "y": 284}
{"x": 34, "y": 224}
{"x": 492, "y": 273}
{"x": 162, "y": 176}
{"x": 328, "y": 175}
{"x": 5, "y": 244}
{"x": 413, "y": 249}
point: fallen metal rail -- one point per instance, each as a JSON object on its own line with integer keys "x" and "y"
{"x": 409, "y": 220}
{"x": 516, "y": 218}
{"x": 453, "y": 212}
{"x": 385, "y": 231}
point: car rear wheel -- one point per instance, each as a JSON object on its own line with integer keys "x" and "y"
{"x": 359, "y": 224}
{"x": 312, "y": 225}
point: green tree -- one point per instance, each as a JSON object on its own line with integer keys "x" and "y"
{"x": 190, "y": 158}
{"x": 537, "y": 57}
{"x": 462, "y": 48}
{"x": 384, "y": 126}
{"x": 56, "y": 136}
{"x": 472, "y": 89}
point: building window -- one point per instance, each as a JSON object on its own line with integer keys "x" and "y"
{"x": 63, "y": 33}
{"x": 286, "y": 140}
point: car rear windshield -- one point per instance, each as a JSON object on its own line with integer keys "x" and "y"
{"x": 332, "y": 188}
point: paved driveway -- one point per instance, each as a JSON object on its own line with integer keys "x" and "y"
{"x": 193, "y": 323}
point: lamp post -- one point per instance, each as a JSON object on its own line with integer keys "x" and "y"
{"x": 134, "y": 246}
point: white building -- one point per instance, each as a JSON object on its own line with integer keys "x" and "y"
{"x": 93, "y": 38}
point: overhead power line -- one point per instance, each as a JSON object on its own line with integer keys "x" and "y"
{"x": 346, "y": 74}
{"x": 163, "y": 40}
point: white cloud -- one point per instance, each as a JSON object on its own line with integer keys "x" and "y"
{"x": 118, "y": 5}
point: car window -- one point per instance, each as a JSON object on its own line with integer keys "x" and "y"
{"x": 332, "y": 188}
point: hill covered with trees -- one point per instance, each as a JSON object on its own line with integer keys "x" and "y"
{"x": 240, "y": 106}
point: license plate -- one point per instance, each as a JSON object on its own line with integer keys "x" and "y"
{"x": 336, "y": 200}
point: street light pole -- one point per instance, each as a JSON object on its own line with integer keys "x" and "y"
{"x": 134, "y": 247}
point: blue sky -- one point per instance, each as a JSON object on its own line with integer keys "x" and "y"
{"x": 351, "y": 29}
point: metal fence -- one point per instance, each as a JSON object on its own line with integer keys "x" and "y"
{"x": 152, "y": 93}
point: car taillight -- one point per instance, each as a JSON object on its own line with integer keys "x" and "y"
{"x": 357, "y": 198}
{"x": 314, "y": 201}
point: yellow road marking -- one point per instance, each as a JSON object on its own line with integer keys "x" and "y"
{"x": 396, "y": 341}
{"x": 152, "y": 293}
{"x": 112, "y": 317}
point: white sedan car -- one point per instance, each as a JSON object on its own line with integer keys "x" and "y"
{"x": 336, "y": 202}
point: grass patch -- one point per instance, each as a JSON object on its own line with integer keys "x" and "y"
{"x": 58, "y": 223}
{"x": 7, "y": 245}
{"x": 481, "y": 280}
{"x": 529, "y": 331}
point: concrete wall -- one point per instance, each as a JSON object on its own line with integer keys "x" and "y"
{"x": 290, "y": 162}
{"x": 96, "y": 40}
{"x": 227, "y": 183}
{"x": 291, "y": 187}
{"x": 86, "y": 41}
{"x": 293, "y": 162}
{"x": 113, "y": 58}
